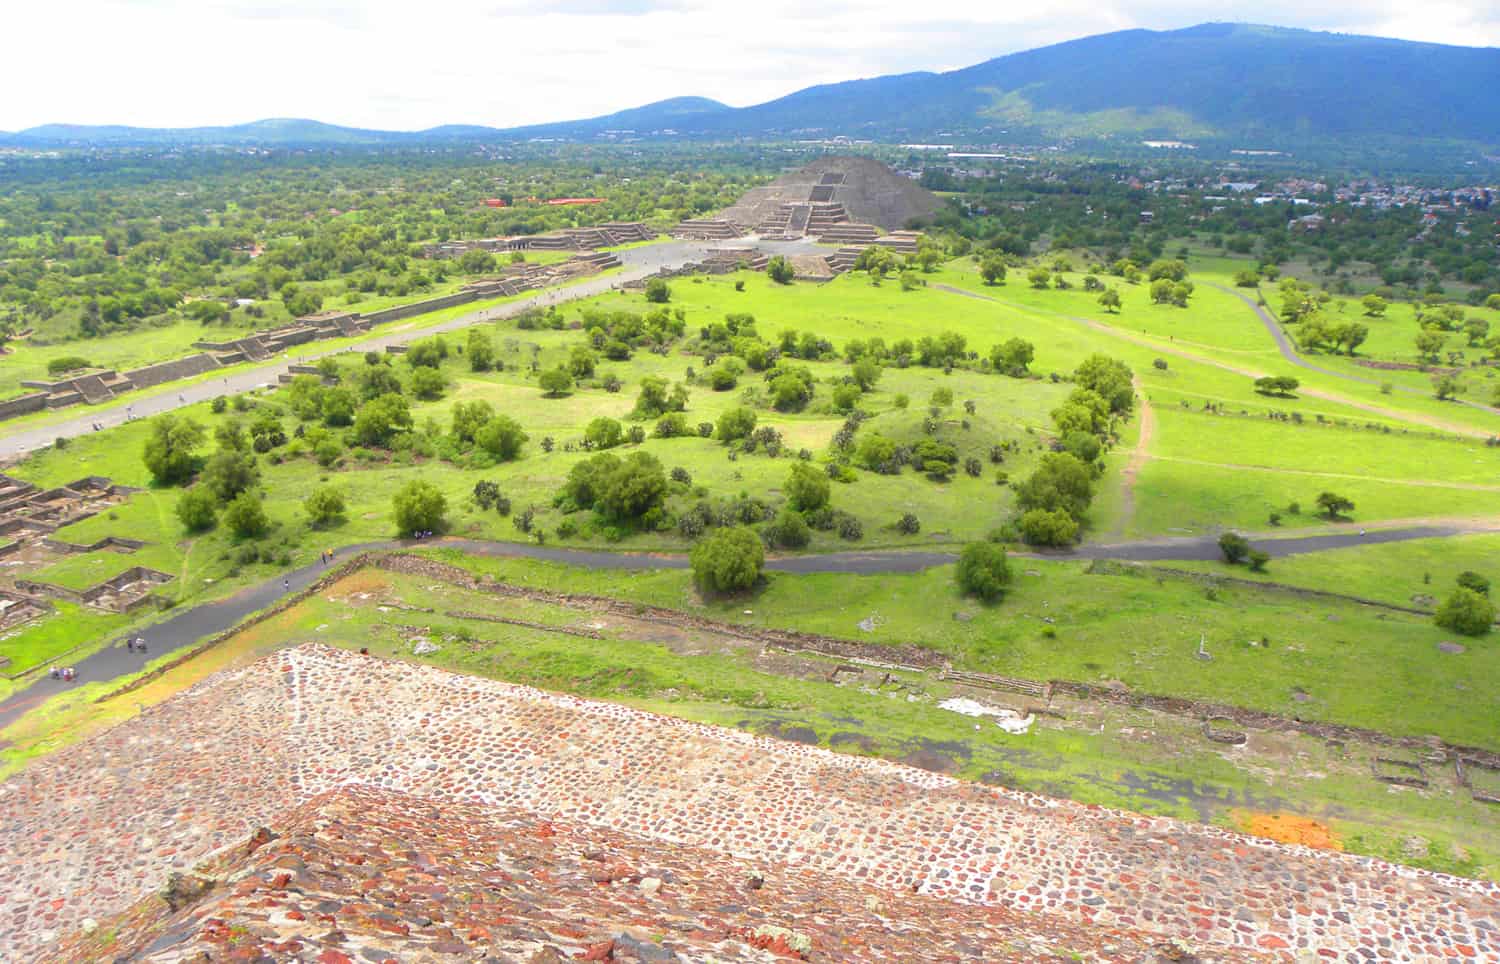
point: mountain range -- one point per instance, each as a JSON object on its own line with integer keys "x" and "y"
{"x": 1214, "y": 82}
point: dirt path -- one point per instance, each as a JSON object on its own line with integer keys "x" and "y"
{"x": 1138, "y": 457}
{"x": 1396, "y": 415}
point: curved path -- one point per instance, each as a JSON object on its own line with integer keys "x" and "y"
{"x": 638, "y": 263}
{"x": 1289, "y": 351}
{"x": 191, "y": 625}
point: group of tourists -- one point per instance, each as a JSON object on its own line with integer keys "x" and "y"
{"x": 65, "y": 673}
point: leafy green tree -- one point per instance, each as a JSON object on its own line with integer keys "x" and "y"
{"x": 1084, "y": 446}
{"x": 1430, "y": 343}
{"x": 582, "y": 362}
{"x": 555, "y": 382}
{"x": 338, "y": 407}
{"x": 635, "y": 487}
{"x": 875, "y": 451}
{"x": 1235, "y": 547}
{"x": 1466, "y": 612}
{"x": 728, "y": 560}
{"x": 1471, "y": 580}
{"x": 195, "y": 507}
{"x": 788, "y": 530}
{"x": 1109, "y": 300}
{"x": 1475, "y": 330}
{"x": 780, "y": 270}
{"x": 658, "y": 292}
{"x": 428, "y": 383}
{"x": 655, "y": 399}
{"x": 735, "y": 423}
{"x": 1013, "y": 357}
{"x": 846, "y": 397}
{"x": 324, "y": 505}
{"x": 1333, "y": 504}
{"x": 1060, "y": 483}
{"x": 171, "y": 449}
{"x": 1374, "y": 305}
{"x": 378, "y": 380}
{"x": 603, "y": 433}
{"x": 481, "y": 351}
{"x": 1110, "y": 378}
{"x": 992, "y": 269}
{"x": 246, "y": 517}
{"x": 427, "y": 353}
{"x": 502, "y": 437}
{"x": 983, "y": 571}
{"x": 381, "y": 420}
{"x": 1039, "y": 278}
{"x": 1447, "y": 386}
{"x": 865, "y": 372}
{"x": 1048, "y": 527}
{"x": 1258, "y": 559}
{"x": 304, "y": 397}
{"x": 418, "y": 507}
{"x": 1283, "y": 385}
{"x": 806, "y": 488}
{"x": 1350, "y": 336}
{"x": 469, "y": 418}
{"x": 586, "y": 480}
{"x": 228, "y": 473}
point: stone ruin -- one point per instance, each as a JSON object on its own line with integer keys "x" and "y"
{"x": 608, "y": 235}
{"x": 835, "y": 199}
{"x": 28, "y": 513}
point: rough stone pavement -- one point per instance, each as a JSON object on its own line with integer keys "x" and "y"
{"x": 87, "y": 831}
{"x": 360, "y": 874}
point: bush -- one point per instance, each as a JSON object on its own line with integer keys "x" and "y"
{"x": 845, "y": 397}
{"x": 1474, "y": 581}
{"x": 195, "y": 508}
{"x": 632, "y": 488}
{"x": 171, "y": 449}
{"x": 246, "y": 517}
{"x": 908, "y": 524}
{"x": 1466, "y": 612}
{"x": 327, "y": 452}
{"x": 681, "y": 476}
{"x": 1258, "y": 559}
{"x": 502, "y": 437}
{"x": 673, "y": 425}
{"x": 67, "y": 363}
{"x": 736, "y": 423}
{"x": 1235, "y": 547}
{"x": 850, "y": 528}
{"x": 418, "y": 507}
{"x": 324, "y": 505}
{"x": 1048, "y": 527}
{"x": 658, "y": 292}
{"x": 428, "y": 383}
{"x": 603, "y": 433}
{"x": 556, "y": 382}
{"x": 983, "y": 571}
{"x": 218, "y": 405}
{"x": 806, "y": 488}
{"x": 729, "y": 560}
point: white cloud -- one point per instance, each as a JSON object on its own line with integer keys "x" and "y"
{"x": 398, "y": 64}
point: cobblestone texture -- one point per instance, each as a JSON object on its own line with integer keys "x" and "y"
{"x": 88, "y": 831}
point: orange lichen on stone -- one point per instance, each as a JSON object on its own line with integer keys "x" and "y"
{"x": 1288, "y": 828}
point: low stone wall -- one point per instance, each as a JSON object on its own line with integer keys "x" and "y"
{"x": 168, "y": 371}
{"x": 23, "y": 405}
{"x": 419, "y": 308}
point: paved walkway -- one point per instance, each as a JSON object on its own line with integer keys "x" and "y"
{"x": 639, "y": 262}
{"x": 188, "y": 626}
{"x": 87, "y": 832}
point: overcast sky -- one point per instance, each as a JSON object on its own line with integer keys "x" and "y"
{"x": 410, "y": 64}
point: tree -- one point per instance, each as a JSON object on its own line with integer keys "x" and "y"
{"x": 1039, "y": 278}
{"x": 378, "y": 380}
{"x": 1466, "y": 612}
{"x": 246, "y": 517}
{"x": 1471, "y": 580}
{"x": 736, "y": 423}
{"x": 1283, "y": 385}
{"x": 324, "y": 505}
{"x": 1110, "y": 378}
{"x": 1163, "y": 292}
{"x": 381, "y": 420}
{"x": 555, "y": 382}
{"x": 481, "y": 351}
{"x": 790, "y": 391}
{"x": 1060, "y": 483}
{"x": 806, "y": 488}
{"x": 469, "y": 418}
{"x": 1447, "y": 386}
{"x": 603, "y": 433}
{"x": 1430, "y": 343}
{"x": 636, "y": 486}
{"x": 338, "y": 406}
{"x": 1109, "y": 298}
{"x": 865, "y": 372}
{"x": 728, "y": 560}
{"x": 1235, "y": 547}
{"x": 305, "y": 396}
{"x": 229, "y": 473}
{"x": 655, "y": 400}
{"x": 1333, "y": 504}
{"x": 1475, "y": 330}
{"x": 1045, "y": 527}
{"x": 876, "y": 452}
{"x": 1258, "y": 559}
{"x": 428, "y": 383}
{"x": 427, "y": 353}
{"x": 1171, "y": 270}
{"x": 195, "y": 507}
{"x": 581, "y": 362}
{"x": 658, "y": 292}
{"x": 780, "y": 270}
{"x": 171, "y": 449}
{"x": 1350, "y": 336}
{"x": 502, "y": 437}
{"x": 418, "y": 507}
{"x": 788, "y": 530}
{"x": 992, "y": 269}
{"x": 1013, "y": 357}
{"x": 983, "y": 571}
{"x": 1374, "y": 305}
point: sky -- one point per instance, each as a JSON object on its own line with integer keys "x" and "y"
{"x": 412, "y": 64}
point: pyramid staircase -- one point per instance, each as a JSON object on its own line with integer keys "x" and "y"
{"x": 708, "y": 229}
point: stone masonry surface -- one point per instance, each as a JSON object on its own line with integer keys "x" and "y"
{"x": 90, "y": 830}
{"x": 360, "y": 874}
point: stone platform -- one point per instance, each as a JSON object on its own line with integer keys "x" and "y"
{"x": 89, "y": 831}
